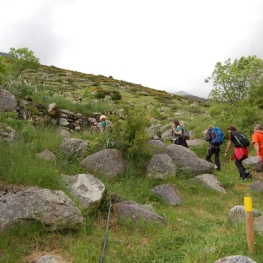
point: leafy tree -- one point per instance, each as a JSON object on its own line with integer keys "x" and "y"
{"x": 235, "y": 81}
{"x": 21, "y": 59}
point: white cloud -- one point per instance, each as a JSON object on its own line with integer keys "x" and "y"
{"x": 168, "y": 45}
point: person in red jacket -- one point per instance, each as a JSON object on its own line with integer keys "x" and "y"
{"x": 257, "y": 141}
{"x": 240, "y": 153}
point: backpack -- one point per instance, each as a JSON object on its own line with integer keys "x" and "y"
{"x": 217, "y": 136}
{"x": 185, "y": 133}
{"x": 240, "y": 140}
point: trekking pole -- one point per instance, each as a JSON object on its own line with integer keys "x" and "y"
{"x": 249, "y": 223}
{"x": 106, "y": 235}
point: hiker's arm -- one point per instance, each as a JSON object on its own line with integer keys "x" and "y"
{"x": 256, "y": 147}
{"x": 228, "y": 147}
{"x": 208, "y": 136}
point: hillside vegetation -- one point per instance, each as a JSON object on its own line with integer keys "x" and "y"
{"x": 197, "y": 231}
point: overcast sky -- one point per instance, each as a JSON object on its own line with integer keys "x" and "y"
{"x": 167, "y": 45}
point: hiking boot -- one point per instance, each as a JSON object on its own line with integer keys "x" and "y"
{"x": 247, "y": 173}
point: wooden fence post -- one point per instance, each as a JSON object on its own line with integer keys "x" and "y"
{"x": 249, "y": 223}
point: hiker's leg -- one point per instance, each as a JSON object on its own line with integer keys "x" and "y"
{"x": 209, "y": 155}
{"x": 217, "y": 161}
{"x": 240, "y": 167}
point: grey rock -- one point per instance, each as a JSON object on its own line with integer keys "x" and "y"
{"x": 160, "y": 166}
{"x": 137, "y": 213}
{"x": 237, "y": 214}
{"x": 156, "y": 146}
{"x": 169, "y": 194}
{"x": 86, "y": 188}
{"x": 254, "y": 162}
{"x": 195, "y": 142}
{"x": 210, "y": 181}
{"x": 7, "y": 133}
{"x": 75, "y": 147}
{"x": 235, "y": 259}
{"x": 8, "y": 101}
{"x": 47, "y": 259}
{"x": 257, "y": 186}
{"x": 46, "y": 155}
{"x": 53, "y": 208}
{"x": 108, "y": 162}
{"x": 187, "y": 159}
{"x": 258, "y": 225}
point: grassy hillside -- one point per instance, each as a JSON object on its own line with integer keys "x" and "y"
{"x": 198, "y": 231}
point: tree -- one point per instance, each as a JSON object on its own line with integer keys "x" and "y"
{"x": 21, "y": 59}
{"x": 235, "y": 81}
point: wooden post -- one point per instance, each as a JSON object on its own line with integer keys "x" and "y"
{"x": 249, "y": 224}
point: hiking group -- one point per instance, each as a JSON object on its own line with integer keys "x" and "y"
{"x": 215, "y": 137}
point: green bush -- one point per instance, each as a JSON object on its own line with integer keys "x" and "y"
{"x": 115, "y": 95}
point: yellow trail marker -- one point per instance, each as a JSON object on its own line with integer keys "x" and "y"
{"x": 249, "y": 223}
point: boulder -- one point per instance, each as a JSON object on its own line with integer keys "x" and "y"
{"x": 108, "y": 162}
{"x": 210, "y": 181}
{"x": 46, "y": 155}
{"x": 169, "y": 194}
{"x": 50, "y": 207}
{"x": 237, "y": 214}
{"x": 137, "y": 213}
{"x": 188, "y": 160}
{"x": 75, "y": 147}
{"x": 86, "y": 188}
{"x": 8, "y": 101}
{"x": 160, "y": 166}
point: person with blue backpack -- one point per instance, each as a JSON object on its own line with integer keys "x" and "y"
{"x": 215, "y": 137}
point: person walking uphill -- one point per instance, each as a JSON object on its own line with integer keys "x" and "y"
{"x": 102, "y": 124}
{"x": 257, "y": 141}
{"x": 212, "y": 149}
{"x": 177, "y": 132}
{"x": 240, "y": 152}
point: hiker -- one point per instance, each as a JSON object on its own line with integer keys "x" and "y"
{"x": 102, "y": 124}
{"x": 240, "y": 153}
{"x": 177, "y": 132}
{"x": 257, "y": 141}
{"x": 212, "y": 149}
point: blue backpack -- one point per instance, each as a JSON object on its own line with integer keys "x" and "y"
{"x": 217, "y": 135}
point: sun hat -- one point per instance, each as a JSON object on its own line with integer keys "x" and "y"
{"x": 102, "y": 117}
